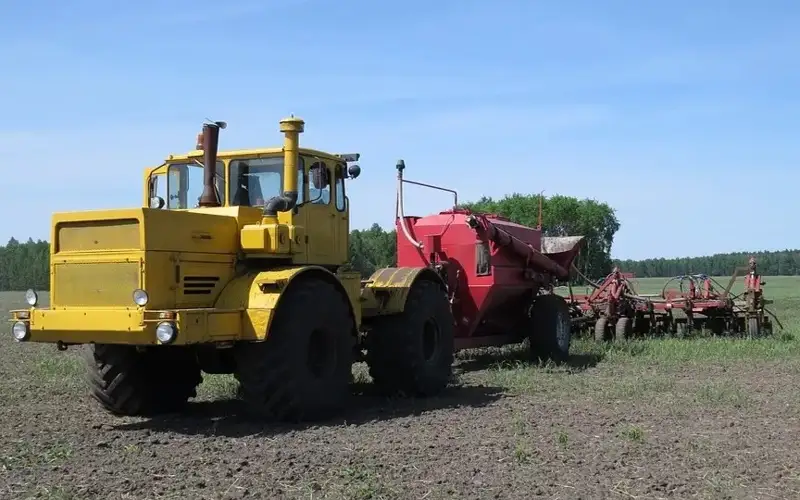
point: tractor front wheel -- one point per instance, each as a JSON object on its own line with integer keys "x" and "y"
{"x": 302, "y": 371}
{"x": 129, "y": 382}
{"x": 411, "y": 353}
{"x": 551, "y": 328}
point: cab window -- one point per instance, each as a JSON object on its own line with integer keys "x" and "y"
{"x": 340, "y": 203}
{"x": 319, "y": 185}
{"x": 182, "y": 185}
{"x": 254, "y": 181}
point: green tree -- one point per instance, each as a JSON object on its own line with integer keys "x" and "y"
{"x": 372, "y": 249}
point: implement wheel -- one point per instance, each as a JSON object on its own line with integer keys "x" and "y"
{"x": 753, "y": 327}
{"x": 601, "y": 329}
{"x": 551, "y": 331}
{"x": 302, "y": 371}
{"x": 126, "y": 381}
{"x": 411, "y": 353}
{"x": 623, "y": 329}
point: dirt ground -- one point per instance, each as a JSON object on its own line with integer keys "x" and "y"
{"x": 611, "y": 426}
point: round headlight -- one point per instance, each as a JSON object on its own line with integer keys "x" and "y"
{"x": 165, "y": 332}
{"x": 20, "y": 331}
{"x": 140, "y": 297}
{"x": 31, "y": 297}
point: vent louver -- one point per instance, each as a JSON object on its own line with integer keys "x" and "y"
{"x": 199, "y": 285}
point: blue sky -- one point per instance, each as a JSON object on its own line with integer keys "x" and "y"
{"x": 665, "y": 110}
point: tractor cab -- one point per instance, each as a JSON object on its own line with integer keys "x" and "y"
{"x": 250, "y": 178}
{"x": 305, "y": 190}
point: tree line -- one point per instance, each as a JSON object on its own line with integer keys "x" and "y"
{"x": 780, "y": 263}
{"x": 26, "y": 265}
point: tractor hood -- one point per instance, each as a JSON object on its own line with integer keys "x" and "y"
{"x": 147, "y": 229}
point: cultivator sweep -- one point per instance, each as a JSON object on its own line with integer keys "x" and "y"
{"x": 698, "y": 304}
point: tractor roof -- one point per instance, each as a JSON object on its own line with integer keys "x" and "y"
{"x": 249, "y": 153}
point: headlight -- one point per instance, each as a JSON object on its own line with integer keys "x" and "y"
{"x": 31, "y": 297}
{"x": 165, "y": 332}
{"x": 20, "y": 331}
{"x": 140, "y": 297}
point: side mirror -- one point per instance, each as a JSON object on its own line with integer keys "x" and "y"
{"x": 157, "y": 202}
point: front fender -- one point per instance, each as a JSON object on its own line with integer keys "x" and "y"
{"x": 257, "y": 294}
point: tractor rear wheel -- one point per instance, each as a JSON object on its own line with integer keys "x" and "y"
{"x": 551, "y": 328}
{"x": 302, "y": 371}
{"x": 601, "y": 329}
{"x": 126, "y": 381}
{"x": 411, "y": 353}
{"x": 623, "y": 329}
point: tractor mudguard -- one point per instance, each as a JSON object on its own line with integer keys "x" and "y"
{"x": 257, "y": 294}
{"x": 386, "y": 291}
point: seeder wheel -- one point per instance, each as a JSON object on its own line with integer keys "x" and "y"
{"x": 681, "y": 328}
{"x": 623, "y": 328}
{"x": 551, "y": 329}
{"x": 753, "y": 327}
{"x": 601, "y": 329}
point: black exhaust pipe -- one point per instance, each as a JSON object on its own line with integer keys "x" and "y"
{"x": 210, "y": 144}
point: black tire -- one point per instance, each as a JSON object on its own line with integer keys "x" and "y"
{"x": 623, "y": 329}
{"x": 551, "y": 329}
{"x": 302, "y": 371}
{"x": 126, "y": 381}
{"x": 601, "y": 329}
{"x": 716, "y": 326}
{"x": 411, "y": 353}
{"x": 753, "y": 327}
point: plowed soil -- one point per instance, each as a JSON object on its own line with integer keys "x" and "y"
{"x": 655, "y": 419}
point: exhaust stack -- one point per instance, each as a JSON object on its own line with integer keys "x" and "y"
{"x": 209, "y": 143}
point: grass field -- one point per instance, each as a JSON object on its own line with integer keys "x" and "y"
{"x": 692, "y": 418}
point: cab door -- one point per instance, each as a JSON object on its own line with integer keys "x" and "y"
{"x": 319, "y": 216}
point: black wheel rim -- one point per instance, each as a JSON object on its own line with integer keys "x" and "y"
{"x": 321, "y": 354}
{"x": 430, "y": 339}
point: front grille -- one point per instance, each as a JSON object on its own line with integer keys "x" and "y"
{"x": 199, "y": 285}
{"x": 91, "y": 284}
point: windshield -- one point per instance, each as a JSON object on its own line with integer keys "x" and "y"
{"x": 256, "y": 180}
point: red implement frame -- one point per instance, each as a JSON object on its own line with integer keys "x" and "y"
{"x": 703, "y": 304}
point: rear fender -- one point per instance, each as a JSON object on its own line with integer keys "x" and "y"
{"x": 386, "y": 291}
{"x": 258, "y": 295}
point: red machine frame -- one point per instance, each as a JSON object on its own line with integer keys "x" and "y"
{"x": 677, "y": 311}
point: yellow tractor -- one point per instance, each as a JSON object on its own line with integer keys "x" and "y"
{"x": 237, "y": 263}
